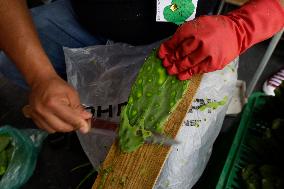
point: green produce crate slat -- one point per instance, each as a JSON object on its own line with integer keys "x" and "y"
{"x": 239, "y": 153}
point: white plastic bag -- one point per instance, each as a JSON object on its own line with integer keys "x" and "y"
{"x": 103, "y": 76}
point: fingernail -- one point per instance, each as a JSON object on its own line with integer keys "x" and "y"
{"x": 86, "y": 114}
{"x": 85, "y": 128}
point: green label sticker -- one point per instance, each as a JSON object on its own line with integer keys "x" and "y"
{"x": 178, "y": 11}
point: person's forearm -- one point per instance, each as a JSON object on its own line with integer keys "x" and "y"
{"x": 19, "y": 40}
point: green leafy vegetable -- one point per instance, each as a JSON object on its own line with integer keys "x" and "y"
{"x": 3, "y": 162}
{"x": 4, "y": 142}
{"x": 6, "y": 152}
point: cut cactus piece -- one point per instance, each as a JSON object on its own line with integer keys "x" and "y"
{"x": 153, "y": 97}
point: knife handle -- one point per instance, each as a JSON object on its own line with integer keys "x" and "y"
{"x": 103, "y": 124}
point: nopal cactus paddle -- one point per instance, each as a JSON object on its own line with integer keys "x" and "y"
{"x": 153, "y": 97}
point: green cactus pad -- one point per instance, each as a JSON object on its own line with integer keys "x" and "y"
{"x": 153, "y": 97}
{"x": 178, "y": 11}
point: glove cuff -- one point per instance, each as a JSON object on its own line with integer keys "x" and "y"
{"x": 256, "y": 21}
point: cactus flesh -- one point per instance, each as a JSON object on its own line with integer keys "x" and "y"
{"x": 153, "y": 97}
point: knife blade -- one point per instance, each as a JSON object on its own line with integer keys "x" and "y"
{"x": 108, "y": 128}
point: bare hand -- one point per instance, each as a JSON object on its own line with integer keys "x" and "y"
{"x": 55, "y": 107}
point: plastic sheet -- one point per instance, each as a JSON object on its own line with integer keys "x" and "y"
{"x": 103, "y": 76}
{"x": 26, "y": 145}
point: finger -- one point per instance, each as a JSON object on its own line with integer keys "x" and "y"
{"x": 57, "y": 124}
{"x": 84, "y": 114}
{"x": 202, "y": 67}
{"x": 184, "y": 64}
{"x": 79, "y": 108}
{"x": 76, "y": 104}
{"x": 85, "y": 130}
{"x": 185, "y": 75}
{"x": 70, "y": 112}
{"x": 170, "y": 66}
{"x": 164, "y": 50}
{"x": 46, "y": 128}
{"x": 73, "y": 98}
{"x": 39, "y": 122}
{"x": 27, "y": 111}
{"x": 47, "y": 119}
{"x": 186, "y": 47}
{"x": 178, "y": 47}
{"x": 182, "y": 33}
{"x": 167, "y": 62}
{"x": 71, "y": 116}
{"x": 169, "y": 45}
{"x": 198, "y": 56}
{"x": 173, "y": 41}
{"x": 87, "y": 117}
{"x": 172, "y": 70}
{"x": 191, "y": 60}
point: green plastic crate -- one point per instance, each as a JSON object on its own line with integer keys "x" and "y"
{"x": 240, "y": 154}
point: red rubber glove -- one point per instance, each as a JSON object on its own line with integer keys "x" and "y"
{"x": 209, "y": 43}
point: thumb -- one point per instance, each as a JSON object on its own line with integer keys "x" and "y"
{"x": 84, "y": 114}
{"x": 85, "y": 129}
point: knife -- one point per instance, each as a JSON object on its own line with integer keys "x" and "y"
{"x": 108, "y": 128}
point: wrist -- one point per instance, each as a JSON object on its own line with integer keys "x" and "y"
{"x": 41, "y": 77}
{"x": 39, "y": 72}
{"x": 252, "y": 23}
